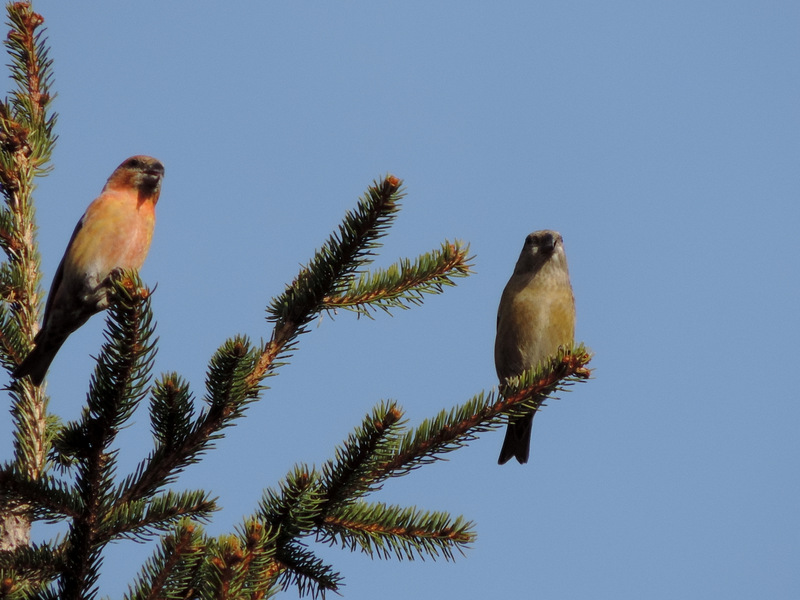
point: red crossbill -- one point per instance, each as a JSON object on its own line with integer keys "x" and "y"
{"x": 536, "y": 316}
{"x": 113, "y": 234}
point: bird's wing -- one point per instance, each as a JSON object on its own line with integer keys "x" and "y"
{"x": 59, "y": 276}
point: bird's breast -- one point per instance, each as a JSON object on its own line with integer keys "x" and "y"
{"x": 115, "y": 233}
{"x": 533, "y": 321}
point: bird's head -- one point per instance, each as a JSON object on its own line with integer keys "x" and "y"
{"x": 540, "y": 248}
{"x": 142, "y": 173}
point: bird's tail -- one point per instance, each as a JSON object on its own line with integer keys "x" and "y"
{"x": 38, "y": 360}
{"x": 517, "y": 443}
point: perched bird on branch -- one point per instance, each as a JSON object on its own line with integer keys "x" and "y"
{"x": 536, "y": 317}
{"x": 113, "y": 234}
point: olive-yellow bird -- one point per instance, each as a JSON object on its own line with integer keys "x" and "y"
{"x": 536, "y": 317}
{"x": 113, "y": 234}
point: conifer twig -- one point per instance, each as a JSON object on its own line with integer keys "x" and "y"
{"x": 230, "y": 389}
{"x": 118, "y": 384}
{"x": 405, "y": 283}
{"x": 26, "y": 143}
{"x": 330, "y": 270}
{"x": 348, "y": 476}
{"x": 405, "y": 533}
{"x": 173, "y": 571}
{"x": 450, "y": 430}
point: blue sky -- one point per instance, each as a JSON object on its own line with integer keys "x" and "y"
{"x": 661, "y": 139}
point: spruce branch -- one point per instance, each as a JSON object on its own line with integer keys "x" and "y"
{"x": 117, "y": 385}
{"x": 347, "y": 476}
{"x": 293, "y": 512}
{"x": 143, "y": 519}
{"x": 339, "y": 258}
{"x": 122, "y": 375}
{"x": 258, "y": 555}
{"x": 171, "y": 411}
{"x": 241, "y": 565}
{"x": 294, "y": 508}
{"x": 405, "y": 533}
{"x": 173, "y": 571}
{"x": 325, "y": 504}
{"x": 25, "y": 571}
{"x": 328, "y": 505}
{"x": 303, "y": 569}
{"x": 330, "y": 270}
{"x": 230, "y": 388}
{"x": 452, "y": 429}
{"x": 171, "y": 417}
{"x": 31, "y": 69}
{"x": 227, "y": 385}
{"x": 47, "y": 497}
{"x": 404, "y": 284}
{"x": 26, "y": 143}
{"x": 230, "y": 568}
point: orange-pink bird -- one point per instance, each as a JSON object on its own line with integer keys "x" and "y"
{"x": 114, "y": 233}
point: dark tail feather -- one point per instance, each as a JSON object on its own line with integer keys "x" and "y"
{"x": 517, "y": 442}
{"x": 38, "y": 361}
